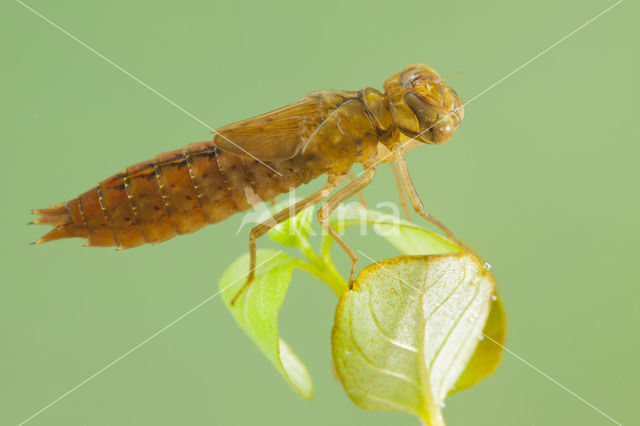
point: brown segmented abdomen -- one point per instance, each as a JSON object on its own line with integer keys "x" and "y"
{"x": 178, "y": 192}
{"x": 181, "y": 191}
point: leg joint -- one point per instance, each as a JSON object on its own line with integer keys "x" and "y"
{"x": 322, "y": 214}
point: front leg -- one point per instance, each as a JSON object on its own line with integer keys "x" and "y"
{"x": 414, "y": 198}
{"x": 396, "y": 177}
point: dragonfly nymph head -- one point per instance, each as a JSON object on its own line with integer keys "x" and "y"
{"x": 422, "y": 105}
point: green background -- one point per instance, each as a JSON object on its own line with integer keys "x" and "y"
{"x": 542, "y": 178}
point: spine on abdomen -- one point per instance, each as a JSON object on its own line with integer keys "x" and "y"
{"x": 176, "y": 193}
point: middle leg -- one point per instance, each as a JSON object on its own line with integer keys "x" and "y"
{"x": 333, "y": 203}
{"x": 361, "y": 198}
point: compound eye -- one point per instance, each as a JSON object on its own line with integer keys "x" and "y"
{"x": 442, "y": 131}
{"x": 437, "y": 126}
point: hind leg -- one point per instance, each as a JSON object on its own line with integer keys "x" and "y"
{"x": 278, "y": 218}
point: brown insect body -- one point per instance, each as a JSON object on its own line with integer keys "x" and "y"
{"x": 325, "y": 132}
{"x": 181, "y": 191}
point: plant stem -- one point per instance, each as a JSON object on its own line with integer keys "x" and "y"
{"x": 432, "y": 418}
{"x": 321, "y": 268}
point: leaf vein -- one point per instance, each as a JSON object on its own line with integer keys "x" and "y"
{"x": 374, "y": 366}
{"x": 469, "y": 336}
{"x": 453, "y": 326}
{"x": 400, "y": 345}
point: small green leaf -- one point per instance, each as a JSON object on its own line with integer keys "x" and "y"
{"x": 406, "y": 236}
{"x": 257, "y": 309}
{"x": 406, "y": 331}
{"x": 294, "y": 230}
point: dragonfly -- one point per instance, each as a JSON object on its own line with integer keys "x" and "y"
{"x": 324, "y": 132}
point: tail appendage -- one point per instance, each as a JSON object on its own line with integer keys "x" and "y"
{"x": 59, "y": 216}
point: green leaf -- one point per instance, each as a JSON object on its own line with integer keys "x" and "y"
{"x": 488, "y": 354}
{"x": 410, "y": 239}
{"x": 406, "y": 331}
{"x": 406, "y": 236}
{"x": 257, "y": 309}
{"x": 294, "y": 231}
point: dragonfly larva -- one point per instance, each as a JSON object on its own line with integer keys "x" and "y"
{"x": 324, "y": 132}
